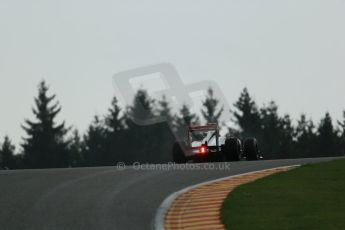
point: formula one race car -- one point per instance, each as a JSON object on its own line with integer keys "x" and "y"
{"x": 205, "y": 144}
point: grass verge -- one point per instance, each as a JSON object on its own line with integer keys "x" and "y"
{"x": 309, "y": 197}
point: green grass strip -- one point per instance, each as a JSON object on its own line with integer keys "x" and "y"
{"x": 309, "y": 197}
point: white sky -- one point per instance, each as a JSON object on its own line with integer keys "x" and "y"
{"x": 292, "y": 51}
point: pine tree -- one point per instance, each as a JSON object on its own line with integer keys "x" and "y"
{"x": 144, "y": 148}
{"x": 247, "y": 116}
{"x": 164, "y": 110}
{"x": 211, "y": 113}
{"x": 7, "y": 158}
{"x": 164, "y": 131}
{"x": 184, "y": 119}
{"x": 188, "y": 117}
{"x": 287, "y": 143}
{"x": 115, "y": 129}
{"x": 342, "y": 134}
{"x": 271, "y": 131}
{"x": 144, "y": 136}
{"x": 1, "y": 157}
{"x": 342, "y": 125}
{"x": 327, "y": 137}
{"x": 94, "y": 142}
{"x": 142, "y": 109}
{"x": 305, "y": 138}
{"x": 113, "y": 121}
{"x": 45, "y": 145}
{"x": 76, "y": 158}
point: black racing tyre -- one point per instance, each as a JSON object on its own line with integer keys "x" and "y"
{"x": 251, "y": 149}
{"x": 232, "y": 149}
{"x": 178, "y": 153}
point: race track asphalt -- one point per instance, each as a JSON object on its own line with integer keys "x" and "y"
{"x": 103, "y": 197}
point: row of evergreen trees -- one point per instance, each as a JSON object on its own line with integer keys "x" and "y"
{"x": 280, "y": 138}
{"x": 115, "y": 137}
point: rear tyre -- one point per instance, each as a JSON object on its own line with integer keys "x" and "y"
{"x": 232, "y": 149}
{"x": 178, "y": 153}
{"x": 251, "y": 149}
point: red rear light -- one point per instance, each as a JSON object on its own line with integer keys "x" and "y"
{"x": 202, "y": 149}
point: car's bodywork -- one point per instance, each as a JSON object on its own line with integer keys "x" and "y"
{"x": 205, "y": 143}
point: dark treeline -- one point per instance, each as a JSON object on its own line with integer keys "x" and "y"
{"x": 116, "y": 137}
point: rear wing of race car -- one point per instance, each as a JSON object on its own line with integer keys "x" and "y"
{"x": 208, "y": 127}
{"x": 203, "y": 128}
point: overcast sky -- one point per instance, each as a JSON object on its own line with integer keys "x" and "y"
{"x": 292, "y": 51}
